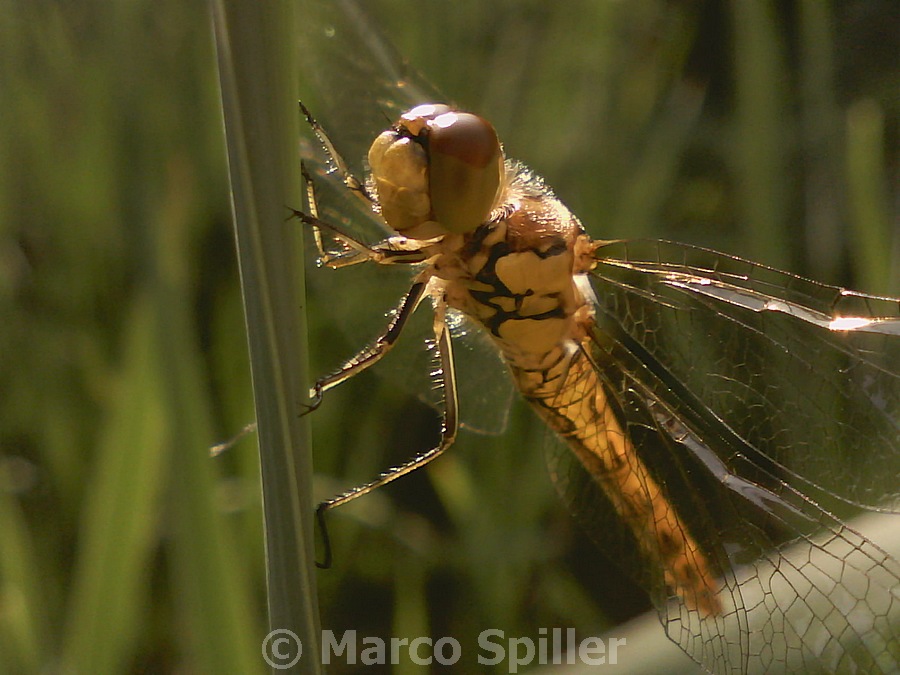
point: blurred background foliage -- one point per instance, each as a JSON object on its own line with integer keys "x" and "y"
{"x": 764, "y": 129}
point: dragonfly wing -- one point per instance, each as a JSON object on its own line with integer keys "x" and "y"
{"x": 358, "y": 85}
{"x": 731, "y": 483}
{"x": 765, "y": 352}
{"x": 356, "y": 82}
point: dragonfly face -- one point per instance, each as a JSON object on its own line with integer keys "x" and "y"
{"x": 436, "y": 171}
{"x": 682, "y": 467}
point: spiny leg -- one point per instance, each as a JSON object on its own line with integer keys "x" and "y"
{"x": 312, "y": 202}
{"x": 372, "y": 353}
{"x": 349, "y": 179}
{"x": 449, "y": 428}
{"x": 360, "y": 252}
{"x": 356, "y": 251}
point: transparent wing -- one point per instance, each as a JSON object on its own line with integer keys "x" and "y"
{"x": 359, "y": 86}
{"x": 746, "y": 407}
{"x": 354, "y": 81}
{"x": 360, "y": 300}
{"x": 764, "y": 352}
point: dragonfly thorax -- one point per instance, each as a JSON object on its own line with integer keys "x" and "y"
{"x": 517, "y": 275}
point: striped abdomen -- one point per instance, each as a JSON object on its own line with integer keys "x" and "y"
{"x": 517, "y": 277}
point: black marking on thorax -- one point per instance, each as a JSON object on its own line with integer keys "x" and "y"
{"x": 488, "y": 276}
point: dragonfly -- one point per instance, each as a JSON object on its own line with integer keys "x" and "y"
{"x": 672, "y": 450}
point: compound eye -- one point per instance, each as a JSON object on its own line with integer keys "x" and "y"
{"x": 418, "y": 118}
{"x": 465, "y": 166}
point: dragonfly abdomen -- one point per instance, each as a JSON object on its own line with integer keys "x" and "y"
{"x": 518, "y": 277}
{"x": 573, "y": 403}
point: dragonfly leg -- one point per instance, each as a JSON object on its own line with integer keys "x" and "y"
{"x": 359, "y": 252}
{"x": 352, "y": 251}
{"x": 353, "y": 183}
{"x": 449, "y": 428}
{"x": 312, "y": 202}
{"x": 372, "y": 353}
{"x": 219, "y": 448}
{"x": 355, "y": 251}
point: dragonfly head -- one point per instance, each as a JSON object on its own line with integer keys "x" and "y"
{"x": 437, "y": 171}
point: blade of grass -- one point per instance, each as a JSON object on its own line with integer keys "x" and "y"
{"x": 761, "y": 160}
{"x": 119, "y": 521}
{"x": 22, "y": 621}
{"x": 210, "y": 584}
{"x": 868, "y": 198}
{"x": 259, "y": 83}
{"x": 821, "y": 137}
